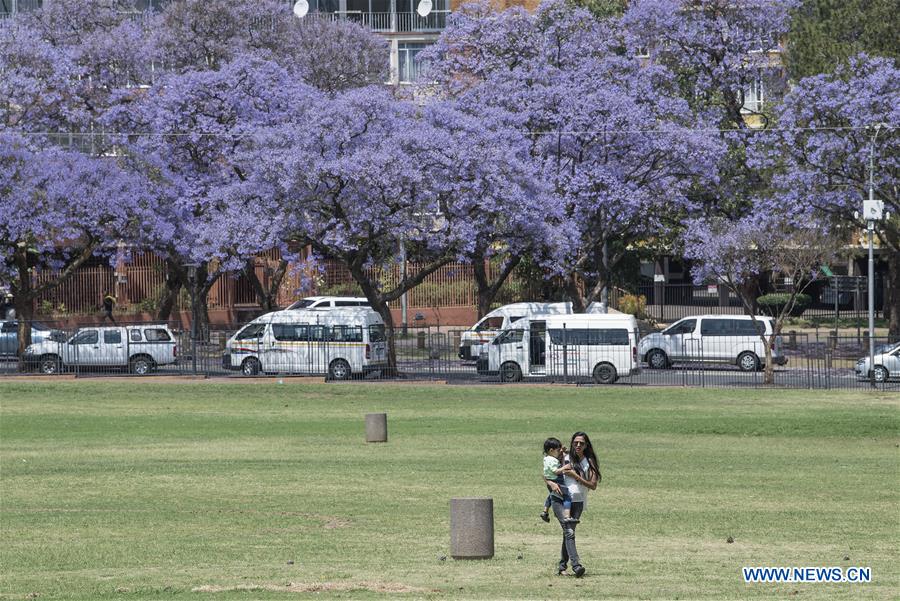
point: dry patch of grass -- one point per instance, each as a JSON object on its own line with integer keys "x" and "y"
{"x": 318, "y": 587}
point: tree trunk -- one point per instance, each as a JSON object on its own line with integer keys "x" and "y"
{"x": 204, "y": 284}
{"x": 486, "y": 291}
{"x": 376, "y": 299}
{"x": 267, "y": 297}
{"x": 769, "y": 372}
{"x": 893, "y": 287}
{"x": 578, "y": 304}
{"x": 175, "y": 278}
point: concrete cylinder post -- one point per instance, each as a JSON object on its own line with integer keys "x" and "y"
{"x": 376, "y": 427}
{"x": 472, "y": 528}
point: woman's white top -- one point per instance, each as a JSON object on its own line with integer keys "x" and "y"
{"x": 576, "y": 489}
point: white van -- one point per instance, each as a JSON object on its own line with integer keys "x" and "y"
{"x": 502, "y": 318}
{"x": 711, "y": 338}
{"x": 329, "y": 302}
{"x": 339, "y": 342}
{"x": 586, "y": 345}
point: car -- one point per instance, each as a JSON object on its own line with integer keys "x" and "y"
{"x": 711, "y": 338}
{"x": 887, "y": 364}
{"x": 9, "y": 336}
{"x": 329, "y": 302}
{"x": 139, "y": 348}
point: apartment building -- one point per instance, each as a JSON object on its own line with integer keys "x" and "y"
{"x": 397, "y": 20}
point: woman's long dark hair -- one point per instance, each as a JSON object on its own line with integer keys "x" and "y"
{"x": 588, "y": 452}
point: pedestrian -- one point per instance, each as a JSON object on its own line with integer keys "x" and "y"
{"x": 7, "y": 307}
{"x": 581, "y": 474}
{"x": 109, "y": 301}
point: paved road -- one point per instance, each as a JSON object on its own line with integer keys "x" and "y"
{"x": 456, "y": 372}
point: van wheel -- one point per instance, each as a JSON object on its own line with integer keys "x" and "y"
{"x": 510, "y": 372}
{"x": 748, "y": 361}
{"x": 250, "y": 366}
{"x": 881, "y": 373}
{"x": 141, "y": 365}
{"x": 657, "y": 359}
{"x": 339, "y": 370}
{"x": 50, "y": 364}
{"x": 605, "y": 373}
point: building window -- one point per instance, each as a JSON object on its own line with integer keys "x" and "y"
{"x": 410, "y": 70}
{"x": 754, "y": 96}
{"x": 11, "y": 7}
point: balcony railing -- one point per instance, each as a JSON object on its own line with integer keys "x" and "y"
{"x": 392, "y": 22}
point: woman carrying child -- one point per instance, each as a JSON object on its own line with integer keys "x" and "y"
{"x": 581, "y": 474}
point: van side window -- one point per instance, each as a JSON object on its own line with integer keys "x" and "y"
{"x": 254, "y": 330}
{"x": 744, "y": 327}
{"x": 590, "y": 336}
{"x": 376, "y": 333}
{"x": 112, "y": 337}
{"x": 347, "y": 304}
{"x": 491, "y": 323}
{"x": 510, "y": 337}
{"x": 685, "y": 327}
{"x": 156, "y": 335}
{"x": 135, "y": 336}
{"x": 346, "y": 334}
{"x": 515, "y": 318}
{"x": 717, "y": 327}
{"x": 288, "y": 332}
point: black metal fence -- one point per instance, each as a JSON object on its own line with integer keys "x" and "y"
{"x": 573, "y": 355}
{"x": 846, "y": 299}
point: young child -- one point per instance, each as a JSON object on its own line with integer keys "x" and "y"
{"x": 553, "y": 456}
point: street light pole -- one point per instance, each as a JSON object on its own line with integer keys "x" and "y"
{"x": 872, "y": 211}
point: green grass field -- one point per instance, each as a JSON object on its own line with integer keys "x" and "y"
{"x": 198, "y": 490}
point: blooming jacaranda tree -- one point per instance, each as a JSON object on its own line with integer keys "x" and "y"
{"x": 610, "y": 134}
{"x": 59, "y": 208}
{"x": 829, "y": 128}
{"x": 185, "y": 134}
{"x": 735, "y": 253}
{"x": 207, "y": 35}
{"x": 363, "y": 173}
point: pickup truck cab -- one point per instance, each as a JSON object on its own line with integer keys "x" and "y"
{"x": 139, "y": 348}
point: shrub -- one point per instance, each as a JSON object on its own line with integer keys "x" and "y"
{"x": 634, "y": 304}
{"x": 772, "y": 304}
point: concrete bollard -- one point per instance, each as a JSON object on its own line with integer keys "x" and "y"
{"x": 376, "y": 427}
{"x": 420, "y": 340}
{"x": 472, "y": 528}
{"x": 792, "y": 339}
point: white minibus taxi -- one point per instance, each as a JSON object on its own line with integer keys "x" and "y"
{"x": 502, "y": 318}
{"x": 329, "y": 302}
{"x": 340, "y": 342}
{"x": 587, "y": 345}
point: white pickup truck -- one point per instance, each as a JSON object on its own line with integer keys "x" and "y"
{"x": 140, "y": 348}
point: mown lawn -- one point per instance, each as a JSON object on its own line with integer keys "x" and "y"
{"x": 138, "y": 489}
